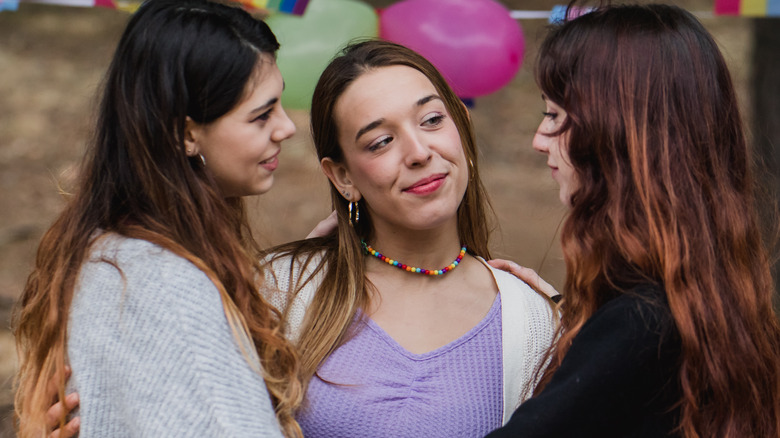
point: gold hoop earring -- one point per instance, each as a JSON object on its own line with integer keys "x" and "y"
{"x": 357, "y": 214}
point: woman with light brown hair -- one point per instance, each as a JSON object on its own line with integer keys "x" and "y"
{"x": 667, "y": 321}
{"x": 146, "y": 285}
{"x": 402, "y": 327}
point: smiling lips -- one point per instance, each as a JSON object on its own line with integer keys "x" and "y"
{"x": 426, "y": 185}
{"x": 271, "y": 163}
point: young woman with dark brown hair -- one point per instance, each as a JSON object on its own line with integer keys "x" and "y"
{"x": 146, "y": 285}
{"x": 667, "y": 321}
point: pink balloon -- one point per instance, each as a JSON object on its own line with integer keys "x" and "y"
{"x": 476, "y": 44}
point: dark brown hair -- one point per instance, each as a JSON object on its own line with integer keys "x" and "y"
{"x": 665, "y": 195}
{"x": 176, "y": 59}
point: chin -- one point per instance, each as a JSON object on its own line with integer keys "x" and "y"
{"x": 264, "y": 187}
{"x": 257, "y": 189}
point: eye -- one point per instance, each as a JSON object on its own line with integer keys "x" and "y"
{"x": 264, "y": 116}
{"x": 379, "y": 143}
{"x": 551, "y": 115}
{"x": 434, "y": 119}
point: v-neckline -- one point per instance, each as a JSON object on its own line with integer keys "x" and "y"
{"x": 493, "y": 312}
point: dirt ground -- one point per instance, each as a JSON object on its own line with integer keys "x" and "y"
{"x": 52, "y": 60}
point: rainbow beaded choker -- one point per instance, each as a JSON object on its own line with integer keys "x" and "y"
{"x": 368, "y": 250}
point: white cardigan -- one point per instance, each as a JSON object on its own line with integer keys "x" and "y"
{"x": 527, "y": 318}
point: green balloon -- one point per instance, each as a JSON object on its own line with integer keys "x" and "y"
{"x": 310, "y": 41}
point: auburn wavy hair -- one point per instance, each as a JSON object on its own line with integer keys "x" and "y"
{"x": 665, "y": 195}
{"x": 344, "y": 287}
{"x": 176, "y": 59}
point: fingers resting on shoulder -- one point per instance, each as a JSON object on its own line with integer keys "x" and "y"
{"x": 70, "y": 430}
{"x": 61, "y": 409}
{"x": 528, "y": 275}
{"x": 325, "y": 227}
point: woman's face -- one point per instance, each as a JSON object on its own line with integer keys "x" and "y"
{"x": 241, "y": 148}
{"x": 555, "y": 147}
{"x": 402, "y": 150}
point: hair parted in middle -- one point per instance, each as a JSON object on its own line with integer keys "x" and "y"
{"x": 344, "y": 288}
{"x": 665, "y": 195}
{"x": 176, "y": 59}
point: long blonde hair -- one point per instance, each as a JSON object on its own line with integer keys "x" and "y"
{"x": 344, "y": 287}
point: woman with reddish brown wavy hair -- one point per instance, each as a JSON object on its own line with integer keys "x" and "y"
{"x": 146, "y": 284}
{"x": 667, "y": 322}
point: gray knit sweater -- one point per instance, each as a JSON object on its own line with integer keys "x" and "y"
{"x": 152, "y": 353}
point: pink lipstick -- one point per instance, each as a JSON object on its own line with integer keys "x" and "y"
{"x": 426, "y": 185}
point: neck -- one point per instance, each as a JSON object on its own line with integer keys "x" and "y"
{"x": 430, "y": 249}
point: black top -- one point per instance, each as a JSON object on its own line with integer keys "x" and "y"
{"x": 618, "y": 379}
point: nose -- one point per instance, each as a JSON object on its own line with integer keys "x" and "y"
{"x": 541, "y": 141}
{"x": 418, "y": 153}
{"x": 285, "y": 129}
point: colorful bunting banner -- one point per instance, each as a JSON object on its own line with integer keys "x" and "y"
{"x": 748, "y": 8}
{"x": 295, "y": 7}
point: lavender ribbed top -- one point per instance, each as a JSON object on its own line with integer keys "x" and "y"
{"x": 379, "y": 389}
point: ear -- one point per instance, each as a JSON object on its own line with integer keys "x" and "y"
{"x": 192, "y": 131}
{"x": 338, "y": 174}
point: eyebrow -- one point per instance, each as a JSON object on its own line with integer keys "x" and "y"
{"x": 427, "y": 99}
{"x": 379, "y": 122}
{"x": 271, "y": 102}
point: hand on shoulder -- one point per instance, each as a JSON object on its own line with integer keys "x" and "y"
{"x": 528, "y": 275}
{"x": 325, "y": 226}
{"x": 60, "y": 409}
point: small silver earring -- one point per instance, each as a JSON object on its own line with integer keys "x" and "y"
{"x": 202, "y": 159}
{"x": 357, "y": 214}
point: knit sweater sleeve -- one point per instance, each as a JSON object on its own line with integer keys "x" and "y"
{"x": 290, "y": 284}
{"x": 152, "y": 353}
{"x": 615, "y": 380}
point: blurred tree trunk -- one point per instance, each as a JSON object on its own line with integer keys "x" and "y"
{"x": 766, "y": 123}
